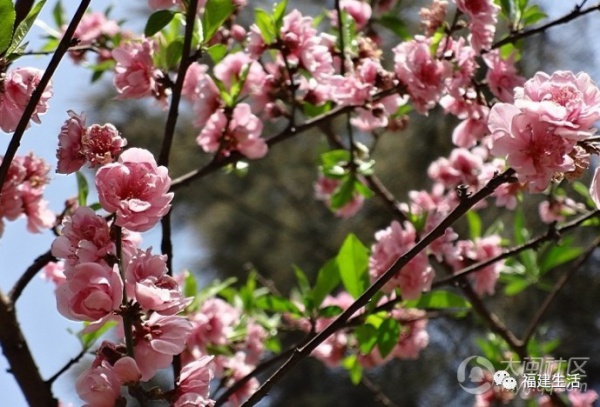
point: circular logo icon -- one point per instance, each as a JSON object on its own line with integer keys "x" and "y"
{"x": 471, "y": 374}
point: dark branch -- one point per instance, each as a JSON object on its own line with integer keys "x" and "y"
{"x": 66, "y": 367}
{"x": 29, "y": 274}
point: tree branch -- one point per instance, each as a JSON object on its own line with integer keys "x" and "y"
{"x": 61, "y": 50}
{"x": 457, "y": 213}
{"x": 551, "y": 234}
{"x": 562, "y": 281}
{"x": 514, "y": 37}
{"x": 16, "y": 350}
{"x": 29, "y": 274}
{"x": 66, "y": 367}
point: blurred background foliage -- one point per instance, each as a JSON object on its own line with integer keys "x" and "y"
{"x": 268, "y": 219}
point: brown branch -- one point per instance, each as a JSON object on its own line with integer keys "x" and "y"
{"x": 514, "y": 37}
{"x": 300, "y": 353}
{"x": 66, "y": 367}
{"x": 289, "y": 132}
{"x": 29, "y": 274}
{"x": 562, "y": 281}
{"x": 379, "y": 395}
{"x": 61, "y": 50}
{"x": 22, "y": 366}
{"x": 550, "y": 235}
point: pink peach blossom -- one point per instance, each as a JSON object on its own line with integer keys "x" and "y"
{"x": 483, "y": 16}
{"x": 240, "y": 133}
{"x": 433, "y": 17}
{"x": 158, "y": 340}
{"x": 196, "y": 376}
{"x": 136, "y": 189}
{"x": 99, "y": 386}
{"x": 54, "y": 272}
{"x": 102, "y": 144}
{"x": 135, "y": 74}
{"x": 532, "y": 147}
{"x": 324, "y": 189}
{"x": 393, "y": 242}
{"x": 15, "y": 92}
{"x": 413, "y": 335}
{"x": 91, "y": 292}
{"x": 502, "y": 76}
{"x": 422, "y": 74}
{"x": 94, "y": 25}
{"x": 69, "y": 153}
{"x": 563, "y": 99}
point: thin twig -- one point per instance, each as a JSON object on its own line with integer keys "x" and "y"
{"x": 379, "y": 395}
{"x": 29, "y": 274}
{"x": 551, "y": 234}
{"x": 67, "y": 366}
{"x": 439, "y": 230}
{"x": 562, "y": 281}
{"x": 61, "y": 50}
{"x": 514, "y": 37}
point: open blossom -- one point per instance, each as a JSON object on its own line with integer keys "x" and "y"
{"x": 422, "y": 74}
{"x": 15, "y": 91}
{"x": 563, "y": 99}
{"x": 158, "y": 340}
{"x": 136, "y": 189}
{"x": 213, "y": 323}
{"x": 240, "y": 133}
{"x": 393, "y": 242}
{"x": 91, "y": 292}
{"x": 534, "y": 148}
{"x": 413, "y": 333}
{"x": 70, "y": 155}
{"x": 200, "y": 89}
{"x": 22, "y": 194}
{"x": 93, "y": 26}
{"x": 483, "y": 16}
{"x": 469, "y": 252}
{"x": 557, "y": 208}
{"x": 99, "y": 386}
{"x": 360, "y": 11}
{"x": 502, "y": 76}
{"x": 149, "y": 284}
{"x": 433, "y": 17}
{"x": 194, "y": 381}
{"x": 95, "y": 144}
{"x": 135, "y": 74}
{"x": 304, "y": 47}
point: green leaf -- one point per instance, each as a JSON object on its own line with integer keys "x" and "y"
{"x": 278, "y": 304}
{"x": 278, "y": 14}
{"x": 439, "y": 299}
{"x": 366, "y": 335}
{"x": 352, "y": 261}
{"x": 7, "y": 11}
{"x": 58, "y": 14}
{"x": 173, "y": 53}
{"x": 387, "y": 336}
{"x": 88, "y": 339}
{"x": 82, "y": 189}
{"x": 557, "y": 255}
{"x": 335, "y": 157}
{"x": 273, "y": 344}
{"x": 330, "y": 311}
{"x": 158, "y": 21}
{"x": 266, "y": 25}
{"x": 25, "y": 26}
{"x": 354, "y": 368}
{"x": 395, "y": 25}
{"x": 215, "y": 288}
{"x": 305, "y": 290}
{"x": 190, "y": 285}
{"x": 215, "y": 14}
{"x": 532, "y": 15}
{"x": 474, "y": 224}
{"x": 516, "y": 285}
{"x": 328, "y": 278}
{"x": 217, "y": 52}
{"x": 343, "y": 193}
{"x": 506, "y": 8}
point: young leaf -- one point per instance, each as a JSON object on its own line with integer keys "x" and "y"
{"x": 82, "y": 189}
{"x": 352, "y": 261}
{"x": 158, "y": 21}
{"x": 275, "y": 303}
{"x": 387, "y": 336}
{"x": 557, "y": 255}
{"x": 217, "y": 52}
{"x": 24, "y": 27}
{"x": 366, "y": 335}
{"x": 58, "y": 14}
{"x": 474, "y": 224}
{"x": 215, "y": 14}
{"x": 343, "y": 193}
{"x": 354, "y": 368}
{"x": 266, "y": 25}
{"x": 279, "y": 13}
{"x": 190, "y": 286}
{"x": 7, "y": 11}
{"x": 330, "y": 311}
{"x": 439, "y": 299}
{"x": 328, "y": 278}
